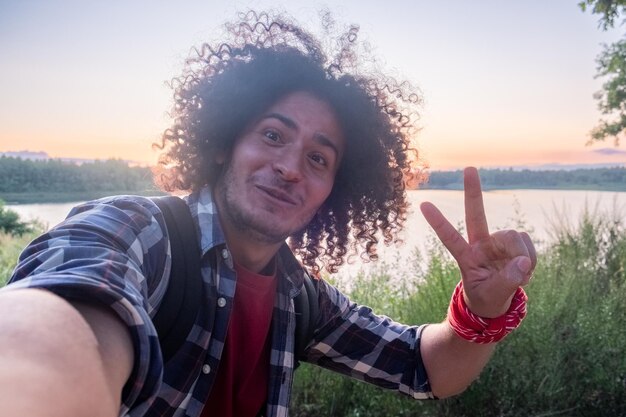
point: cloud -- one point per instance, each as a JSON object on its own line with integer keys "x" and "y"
{"x": 609, "y": 151}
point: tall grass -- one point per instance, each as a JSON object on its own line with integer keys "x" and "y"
{"x": 567, "y": 359}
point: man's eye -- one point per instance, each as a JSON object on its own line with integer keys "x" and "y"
{"x": 319, "y": 159}
{"x": 272, "y": 135}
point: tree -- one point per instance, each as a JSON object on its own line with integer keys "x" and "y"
{"x": 612, "y": 97}
{"x": 609, "y": 10}
{"x": 612, "y": 66}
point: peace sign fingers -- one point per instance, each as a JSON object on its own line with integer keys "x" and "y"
{"x": 475, "y": 218}
{"x": 492, "y": 266}
{"x": 447, "y": 233}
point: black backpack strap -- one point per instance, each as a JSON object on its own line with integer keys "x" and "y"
{"x": 177, "y": 313}
{"x": 307, "y": 312}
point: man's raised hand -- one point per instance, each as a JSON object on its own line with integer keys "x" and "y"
{"x": 493, "y": 265}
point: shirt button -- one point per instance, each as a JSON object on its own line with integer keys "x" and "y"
{"x": 206, "y": 369}
{"x": 221, "y": 301}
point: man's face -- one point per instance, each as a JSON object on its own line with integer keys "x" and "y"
{"x": 281, "y": 170}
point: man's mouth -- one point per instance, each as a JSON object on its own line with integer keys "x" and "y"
{"x": 278, "y": 194}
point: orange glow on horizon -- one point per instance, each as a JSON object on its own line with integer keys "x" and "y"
{"x": 435, "y": 158}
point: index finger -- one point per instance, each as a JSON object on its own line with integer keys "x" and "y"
{"x": 475, "y": 219}
{"x": 449, "y": 236}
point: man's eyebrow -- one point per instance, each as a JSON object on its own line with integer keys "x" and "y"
{"x": 325, "y": 141}
{"x": 319, "y": 138}
{"x": 286, "y": 120}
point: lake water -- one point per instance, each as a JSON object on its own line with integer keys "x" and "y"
{"x": 538, "y": 210}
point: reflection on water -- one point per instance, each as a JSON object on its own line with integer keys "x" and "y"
{"x": 538, "y": 210}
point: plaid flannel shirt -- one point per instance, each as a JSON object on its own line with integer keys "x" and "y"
{"x": 115, "y": 251}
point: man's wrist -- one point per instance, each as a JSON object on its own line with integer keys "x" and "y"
{"x": 477, "y": 329}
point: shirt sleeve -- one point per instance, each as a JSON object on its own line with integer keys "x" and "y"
{"x": 112, "y": 251}
{"x": 352, "y": 340}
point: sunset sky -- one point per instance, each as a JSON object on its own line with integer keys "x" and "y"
{"x": 503, "y": 83}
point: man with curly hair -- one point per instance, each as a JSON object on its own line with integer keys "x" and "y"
{"x": 283, "y": 151}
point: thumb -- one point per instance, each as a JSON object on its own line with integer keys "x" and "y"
{"x": 517, "y": 271}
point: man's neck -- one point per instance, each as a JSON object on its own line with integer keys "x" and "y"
{"x": 253, "y": 256}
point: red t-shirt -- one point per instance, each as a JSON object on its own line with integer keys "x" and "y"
{"x": 240, "y": 388}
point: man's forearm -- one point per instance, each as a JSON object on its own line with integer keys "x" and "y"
{"x": 52, "y": 360}
{"x": 451, "y": 362}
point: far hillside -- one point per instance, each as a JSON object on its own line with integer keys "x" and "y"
{"x": 600, "y": 179}
{"x": 30, "y": 181}
{"x": 53, "y": 180}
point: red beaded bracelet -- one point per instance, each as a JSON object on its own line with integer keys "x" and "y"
{"x": 478, "y": 329}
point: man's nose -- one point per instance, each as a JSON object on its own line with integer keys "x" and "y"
{"x": 289, "y": 166}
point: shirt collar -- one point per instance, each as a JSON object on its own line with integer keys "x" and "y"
{"x": 210, "y": 232}
{"x": 204, "y": 211}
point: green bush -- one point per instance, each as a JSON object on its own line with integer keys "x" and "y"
{"x": 14, "y": 236}
{"x": 10, "y": 222}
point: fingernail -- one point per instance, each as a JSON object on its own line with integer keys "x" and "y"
{"x": 523, "y": 264}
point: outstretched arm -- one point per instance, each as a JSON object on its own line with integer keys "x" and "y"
{"x": 59, "y": 359}
{"x": 493, "y": 267}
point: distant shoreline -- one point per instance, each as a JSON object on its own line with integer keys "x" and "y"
{"x": 585, "y": 187}
{"x": 599, "y": 179}
{"x": 32, "y": 182}
{"x": 56, "y": 197}
{"x": 50, "y": 198}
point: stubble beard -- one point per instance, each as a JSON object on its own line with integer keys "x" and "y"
{"x": 248, "y": 220}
